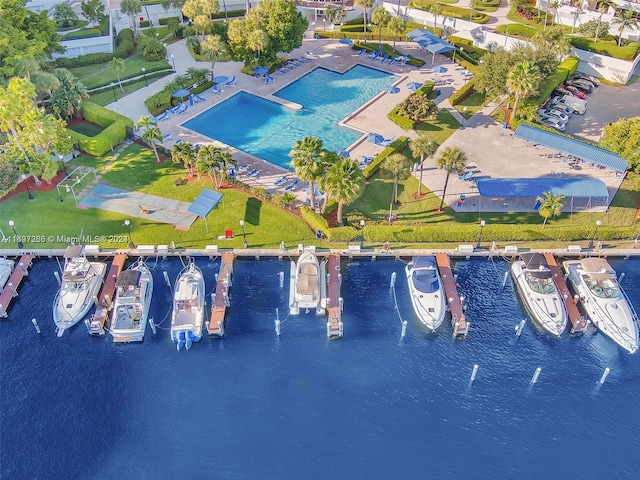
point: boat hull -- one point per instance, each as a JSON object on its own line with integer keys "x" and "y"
{"x": 429, "y": 306}
{"x": 6, "y": 267}
{"x": 187, "y": 316}
{"x": 131, "y": 308}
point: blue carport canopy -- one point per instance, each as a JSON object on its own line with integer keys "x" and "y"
{"x": 568, "y": 146}
{"x": 204, "y": 203}
{"x": 429, "y": 41}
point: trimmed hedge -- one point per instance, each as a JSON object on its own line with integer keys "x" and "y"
{"x": 607, "y": 46}
{"x": 402, "y": 121}
{"x": 166, "y": 20}
{"x": 567, "y": 67}
{"x": 84, "y": 33}
{"x": 397, "y": 145}
{"x": 463, "y": 92}
{"x": 163, "y": 100}
{"x": 317, "y": 222}
{"x": 115, "y": 129}
{"x": 230, "y": 13}
{"x": 124, "y": 50}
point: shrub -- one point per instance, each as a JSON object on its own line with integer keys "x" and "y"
{"x": 463, "y": 92}
{"x": 124, "y": 49}
{"x": 317, "y": 222}
{"x": 230, "y": 13}
{"x": 567, "y": 67}
{"x": 397, "y": 145}
{"x": 115, "y": 129}
{"x": 84, "y": 33}
{"x": 593, "y": 27}
{"x": 166, "y": 20}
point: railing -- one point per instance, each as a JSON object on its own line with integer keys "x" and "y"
{"x": 322, "y": 4}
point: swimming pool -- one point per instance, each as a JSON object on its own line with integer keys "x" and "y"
{"x": 268, "y": 130}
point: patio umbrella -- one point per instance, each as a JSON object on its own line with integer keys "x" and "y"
{"x": 345, "y": 41}
{"x": 343, "y": 153}
{"x": 375, "y": 138}
{"x": 260, "y": 70}
{"x": 413, "y": 86}
{"x": 439, "y": 69}
{"x": 392, "y": 89}
{"x": 220, "y": 79}
{"x": 183, "y": 92}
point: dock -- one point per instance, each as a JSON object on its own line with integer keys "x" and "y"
{"x": 334, "y": 301}
{"x": 579, "y": 322}
{"x": 458, "y": 322}
{"x": 100, "y": 318}
{"x": 220, "y": 300}
{"x": 10, "y": 290}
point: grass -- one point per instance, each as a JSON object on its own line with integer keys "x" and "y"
{"x": 86, "y": 128}
{"x": 607, "y": 45}
{"x": 474, "y": 102}
{"x": 441, "y": 128}
{"x": 105, "y": 96}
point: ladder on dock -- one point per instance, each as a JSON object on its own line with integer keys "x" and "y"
{"x": 579, "y": 322}
{"x": 215, "y": 327}
{"x": 334, "y": 301}
{"x": 10, "y": 290}
{"x": 100, "y": 319}
{"x": 458, "y": 321}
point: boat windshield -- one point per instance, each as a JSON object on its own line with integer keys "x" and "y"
{"x": 542, "y": 286}
{"x": 603, "y": 288}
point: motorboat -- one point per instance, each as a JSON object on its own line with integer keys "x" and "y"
{"x": 6, "y": 267}
{"x": 134, "y": 288}
{"x": 426, "y": 290}
{"x": 81, "y": 280}
{"x": 603, "y": 300}
{"x": 308, "y": 284}
{"x": 187, "y": 316}
{"x": 537, "y": 289}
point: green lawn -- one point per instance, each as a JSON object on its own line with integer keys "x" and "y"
{"x": 442, "y": 128}
{"x": 105, "y": 96}
{"x": 86, "y": 128}
{"x": 473, "y": 103}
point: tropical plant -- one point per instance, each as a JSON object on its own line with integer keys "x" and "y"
{"x": 552, "y": 42}
{"x": 423, "y": 147}
{"x": 66, "y": 100}
{"x": 418, "y": 108}
{"x": 436, "y": 10}
{"x": 623, "y": 138}
{"x": 602, "y": 30}
{"x": 626, "y": 19}
{"x": 132, "y": 8}
{"x": 152, "y": 135}
{"x": 117, "y": 65}
{"x": 207, "y": 161}
{"x": 93, "y": 10}
{"x": 399, "y": 167}
{"x": 258, "y": 41}
{"x": 335, "y": 13}
{"x": 211, "y": 49}
{"x": 550, "y": 204}
{"x": 193, "y": 43}
{"x": 153, "y": 49}
{"x": 365, "y": 4}
{"x": 184, "y": 153}
{"x": 344, "y": 182}
{"x": 305, "y": 159}
{"x": 522, "y": 81}
{"x": 200, "y": 11}
{"x": 451, "y": 159}
{"x": 397, "y": 25}
{"x": 594, "y": 28}
{"x": 45, "y": 83}
{"x": 380, "y": 17}
{"x": 225, "y": 162}
{"x": 64, "y": 16}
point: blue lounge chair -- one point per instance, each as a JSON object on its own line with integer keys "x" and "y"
{"x": 166, "y": 136}
{"x": 313, "y": 55}
{"x": 391, "y": 60}
{"x": 215, "y": 89}
{"x": 466, "y": 177}
{"x": 231, "y": 172}
{"x": 231, "y": 82}
{"x": 162, "y": 116}
{"x": 387, "y": 141}
{"x": 282, "y": 70}
{"x": 176, "y": 108}
{"x": 269, "y": 79}
{"x": 362, "y": 52}
{"x": 375, "y": 55}
{"x": 244, "y": 167}
{"x": 200, "y": 98}
{"x": 292, "y": 186}
{"x": 177, "y": 142}
{"x": 384, "y": 59}
{"x": 185, "y": 107}
{"x": 280, "y": 180}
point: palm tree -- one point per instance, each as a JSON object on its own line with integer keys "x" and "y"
{"x": 626, "y": 19}
{"x": 606, "y": 4}
{"x": 26, "y": 67}
{"x": 225, "y": 161}
{"x": 399, "y": 167}
{"x": 184, "y": 153}
{"x": 117, "y": 65}
{"x": 397, "y": 25}
{"x": 451, "y": 159}
{"x": 132, "y": 8}
{"x": 380, "y": 17}
{"x": 63, "y": 15}
{"x": 193, "y": 43}
{"x": 364, "y": 4}
{"x": 344, "y": 182}
{"x": 423, "y": 147}
{"x": 436, "y": 11}
{"x": 257, "y": 41}
{"x": 206, "y": 161}
{"x": 45, "y": 83}
{"x": 579, "y": 11}
{"x": 196, "y": 74}
{"x": 305, "y": 159}
{"x": 152, "y": 134}
{"x": 550, "y": 204}
{"x": 211, "y": 49}
{"x": 340, "y": 13}
{"x": 523, "y": 80}
{"x": 330, "y": 13}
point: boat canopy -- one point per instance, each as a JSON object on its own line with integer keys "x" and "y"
{"x": 425, "y": 274}
{"x": 128, "y": 277}
{"x": 73, "y": 251}
{"x": 187, "y": 290}
{"x": 536, "y": 265}
{"x": 597, "y": 268}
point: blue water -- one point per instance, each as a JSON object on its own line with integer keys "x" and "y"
{"x": 368, "y": 406}
{"x": 269, "y": 131}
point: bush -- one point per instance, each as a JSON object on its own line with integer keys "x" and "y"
{"x": 531, "y": 13}
{"x": 115, "y": 129}
{"x": 397, "y": 145}
{"x": 567, "y": 67}
{"x": 463, "y": 92}
{"x": 145, "y": 23}
{"x": 230, "y": 14}
{"x": 593, "y": 27}
{"x": 317, "y": 222}
{"x": 84, "y": 33}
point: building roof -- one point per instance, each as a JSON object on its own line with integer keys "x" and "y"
{"x": 577, "y": 187}
{"x": 429, "y": 41}
{"x": 572, "y": 147}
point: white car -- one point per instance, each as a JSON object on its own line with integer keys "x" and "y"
{"x": 544, "y": 113}
{"x": 553, "y": 123}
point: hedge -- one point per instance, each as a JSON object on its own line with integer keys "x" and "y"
{"x": 84, "y": 33}
{"x": 397, "y": 145}
{"x": 402, "y": 121}
{"x": 317, "y": 222}
{"x": 567, "y": 67}
{"x": 166, "y": 20}
{"x": 144, "y": 23}
{"x": 463, "y": 92}
{"x": 115, "y": 129}
{"x": 607, "y": 46}
{"x": 230, "y": 13}
{"x": 124, "y": 49}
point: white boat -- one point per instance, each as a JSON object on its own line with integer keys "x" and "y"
{"x": 134, "y": 288}
{"x": 308, "y": 287}
{"x": 426, "y": 291}
{"x": 534, "y": 281}
{"x": 187, "y": 316}
{"x": 6, "y": 268}
{"x": 603, "y": 300}
{"x": 79, "y": 286}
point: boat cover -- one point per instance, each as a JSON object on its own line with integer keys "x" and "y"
{"x": 536, "y": 265}
{"x": 128, "y": 277}
{"x": 597, "y": 268}
{"x": 424, "y": 274}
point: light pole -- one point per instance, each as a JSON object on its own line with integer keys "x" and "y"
{"x": 113, "y": 89}
{"x": 24, "y": 178}
{"x": 482, "y": 224}
{"x": 127, "y": 224}
{"x": 595, "y": 232}
{"x": 173, "y": 60}
{"x": 146, "y": 84}
{"x": 244, "y": 235}
{"x": 361, "y": 233}
{"x": 15, "y": 234}
{"x": 464, "y": 116}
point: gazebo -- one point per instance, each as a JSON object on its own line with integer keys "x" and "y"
{"x": 431, "y": 42}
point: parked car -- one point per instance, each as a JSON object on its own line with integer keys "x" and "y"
{"x": 574, "y": 103}
{"x": 542, "y": 113}
{"x": 553, "y": 123}
{"x": 576, "y": 92}
{"x": 591, "y": 78}
{"x": 586, "y": 81}
{"x": 559, "y": 106}
{"x": 581, "y": 85}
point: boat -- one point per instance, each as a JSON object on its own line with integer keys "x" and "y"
{"x": 134, "y": 288}
{"x": 81, "y": 280}
{"x": 308, "y": 284}
{"x": 187, "y": 316}
{"x": 603, "y": 300}
{"x": 537, "y": 289}
{"x": 426, "y": 291}
{"x": 6, "y": 268}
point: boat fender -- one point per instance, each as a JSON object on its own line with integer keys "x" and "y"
{"x": 337, "y": 268}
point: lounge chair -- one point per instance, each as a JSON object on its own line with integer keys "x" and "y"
{"x": 177, "y": 142}
{"x": 387, "y": 141}
{"x": 362, "y": 52}
{"x": 269, "y": 79}
{"x": 184, "y": 108}
{"x": 292, "y": 65}
{"x": 231, "y": 82}
{"x": 176, "y": 108}
{"x": 215, "y": 89}
{"x": 231, "y": 172}
{"x": 166, "y": 136}
{"x": 244, "y": 167}
{"x": 200, "y": 98}
{"x": 391, "y": 60}
{"x": 253, "y": 173}
{"x": 292, "y": 186}
{"x": 313, "y": 55}
{"x": 280, "y": 180}
{"x": 282, "y": 70}
{"x": 384, "y": 59}
{"x": 162, "y": 116}
{"x": 466, "y": 176}
{"x": 375, "y": 55}
{"x": 303, "y": 59}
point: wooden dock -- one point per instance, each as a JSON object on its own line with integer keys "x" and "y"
{"x": 100, "y": 319}
{"x": 458, "y": 321}
{"x": 10, "y": 290}
{"x": 579, "y": 322}
{"x": 215, "y": 327}
{"x": 334, "y": 301}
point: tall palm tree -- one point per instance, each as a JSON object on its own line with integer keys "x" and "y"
{"x": 550, "y": 204}
{"x": 132, "y": 8}
{"x": 340, "y": 13}
{"x": 117, "y": 65}
{"x": 45, "y": 83}
{"x": 397, "y": 25}
{"x": 365, "y": 4}
{"x": 380, "y": 17}
{"x": 344, "y": 182}
{"x": 145, "y": 122}
{"x": 330, "y": 13}
{"x": 212, "y": 48}
{"x": 305, "y": 159}
{"x": 579, "y": 11}
{"x": 399, "y": 167}
{"x": 423, "y": 147}
{"x": 436, "y": 11}
{"x": 184, "y": 153}
{"x": 606, "y": 4}
{"x": 225, "y": 161}
{"x": 151, "y": 135}
{"x": 451, "y": 159}
{"x": 207, "y": 161}
{"x": 626, "y": 19}
{"x": 523, "y": 80}
{"x": 327, "y": 160}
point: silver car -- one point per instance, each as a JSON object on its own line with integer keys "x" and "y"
{"x": 543, "y": 113}
{"x": 553, "y": 123}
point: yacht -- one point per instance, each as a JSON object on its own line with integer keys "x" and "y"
{"x": 187, "y": 316}
{"x": 603, "y": 300}
{"x": 308, "y": 284}
{"x": 426, "y": 291}
{"x": 134, "y": 288}
{"x": 79, "y": 286}
{"x": 6, "y": 268}
{"x": 534, "y": 281}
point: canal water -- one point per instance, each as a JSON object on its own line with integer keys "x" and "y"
{"x": 371, "y": 405}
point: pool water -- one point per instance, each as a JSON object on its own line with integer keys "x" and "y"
{"x": 269, "y": 130}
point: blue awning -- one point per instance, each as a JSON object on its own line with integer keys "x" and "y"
{"x": 429, "y": 41}
{"x": 572, "y": 147}
{"x": 204, "y": 203}
{"x": 534, "y": 187}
